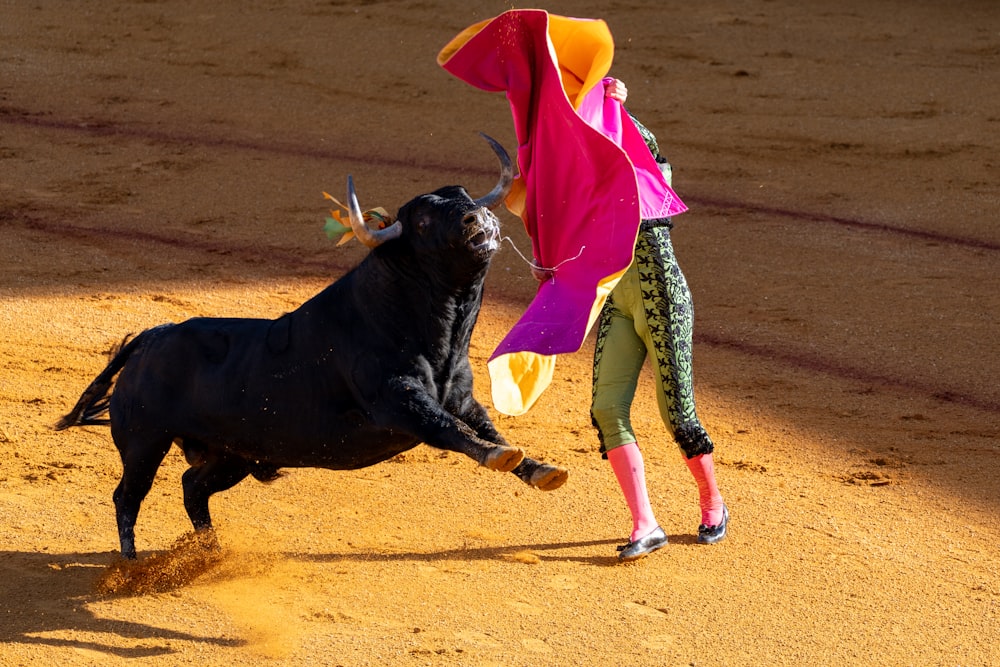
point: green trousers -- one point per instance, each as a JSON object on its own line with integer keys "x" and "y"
{"x": 648, "y": 314}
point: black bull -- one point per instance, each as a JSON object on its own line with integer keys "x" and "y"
{"x": 372, "y": 366}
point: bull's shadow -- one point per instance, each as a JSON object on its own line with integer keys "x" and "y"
{"x": 46, "y": 593}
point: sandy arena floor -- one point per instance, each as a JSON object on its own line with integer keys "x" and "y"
{"x": 165, "y": 159}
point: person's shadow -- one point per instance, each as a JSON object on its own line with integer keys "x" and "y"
{"x": 543, "y": 551}
{"x": 42, "y": 594}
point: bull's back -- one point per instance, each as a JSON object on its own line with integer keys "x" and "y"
{"x": 233, "y": 384}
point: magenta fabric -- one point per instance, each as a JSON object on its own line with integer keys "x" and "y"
{"x": 587, "y": 177}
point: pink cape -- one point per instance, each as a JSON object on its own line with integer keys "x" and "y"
{"x": 586, "y": 179}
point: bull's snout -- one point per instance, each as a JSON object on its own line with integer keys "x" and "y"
{"x": 482, "y": 231}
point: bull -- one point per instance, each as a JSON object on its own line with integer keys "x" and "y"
{"x": 372, "y": 366}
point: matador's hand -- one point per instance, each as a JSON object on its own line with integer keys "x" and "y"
{"x": 616, "y": 90}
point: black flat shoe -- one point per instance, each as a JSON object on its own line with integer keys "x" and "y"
{"x": 642, "y": 546}
{"x": 712, "y": 534}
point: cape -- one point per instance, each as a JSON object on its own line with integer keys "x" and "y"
{"x": 586, "y": 180}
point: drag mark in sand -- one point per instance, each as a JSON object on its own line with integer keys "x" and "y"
{"x": 98, "y": 128}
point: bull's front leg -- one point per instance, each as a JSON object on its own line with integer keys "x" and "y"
{"x": 407, "y": 406}
{"x": 543, "y": 476}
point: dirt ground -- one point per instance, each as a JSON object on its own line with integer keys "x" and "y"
{"x": 165, "y": 159}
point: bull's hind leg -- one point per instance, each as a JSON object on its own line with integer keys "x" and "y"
{"x": 544, "y": 476}
{"x": 214, "y": 474}
{"x": 140, "y": 461}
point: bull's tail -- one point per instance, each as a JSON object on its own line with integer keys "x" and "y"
{"x": 92, "y": 407}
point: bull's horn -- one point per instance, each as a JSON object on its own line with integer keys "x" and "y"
{"x": 497, "y": 194}
{"x": 370, "y": 237}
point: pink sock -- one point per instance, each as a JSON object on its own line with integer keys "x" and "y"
{"x": 630, "y": 470}
{"x": 703, "y": 469}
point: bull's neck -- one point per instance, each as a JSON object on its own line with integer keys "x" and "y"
{"x": 426, "y": 298}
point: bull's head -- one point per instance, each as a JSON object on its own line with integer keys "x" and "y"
{"x": 481, "y": 225}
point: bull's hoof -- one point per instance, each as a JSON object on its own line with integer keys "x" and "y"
{"x": 504, "y": 459}
{"x": 128, "y": 550}
{"x": 549, "y": 477}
